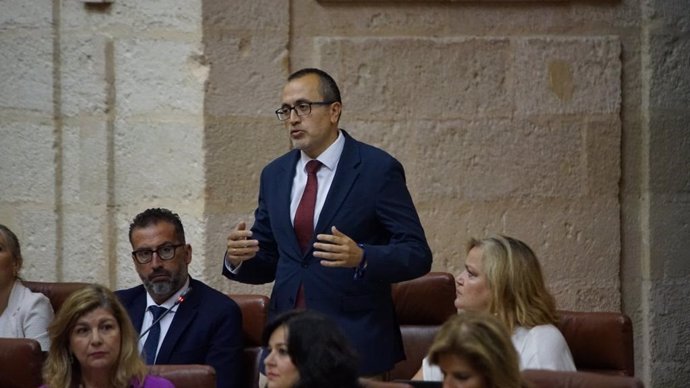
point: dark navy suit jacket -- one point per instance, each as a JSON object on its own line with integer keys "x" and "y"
{"x": 368, "y": 201}
{"x": 206, "y": 329}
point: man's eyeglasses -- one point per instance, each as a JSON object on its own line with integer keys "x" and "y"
{"x": 301, "y": 109}
{"x": 165, "y": 252}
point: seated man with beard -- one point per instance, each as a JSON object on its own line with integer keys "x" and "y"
{"x": 180, "y": 320}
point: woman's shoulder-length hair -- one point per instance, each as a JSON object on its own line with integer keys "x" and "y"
{"x": 318, "y": 349}
{"x": 482, "y": 341}
{"x": 61, "y": 369}
{"x": 519, "y": 296}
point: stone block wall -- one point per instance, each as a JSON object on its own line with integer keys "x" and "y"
{"x": 102, "y": 117}
{"x": 27, "y": 156}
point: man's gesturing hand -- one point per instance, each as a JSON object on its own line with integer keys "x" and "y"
{"x": 240, "y": 247}
{"x": 337, "y": 250}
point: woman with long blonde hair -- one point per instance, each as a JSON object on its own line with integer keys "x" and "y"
{"x": 474, "y": 350}
{"x": 94, "y": 345}
{"x": 503, "y": 277}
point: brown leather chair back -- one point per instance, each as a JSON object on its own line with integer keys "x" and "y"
{"x": 421, "y": 306}
{"x": 57, "y": 292}
{"x": 186, "y": 376}
{"x": 254, "y": 315}
{"x": 369, "y": 383}
{"x": 554, "y": 379}
{"x": 600, "y": 342}
{"x": 21, "y": 361}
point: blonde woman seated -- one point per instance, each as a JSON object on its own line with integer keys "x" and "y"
{"x": 474, "y": 350}
{"x": 23, "y": 313}
{"x": 94, "y": 345}
{"x": 503, "y": 277}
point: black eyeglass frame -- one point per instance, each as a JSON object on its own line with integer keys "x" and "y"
{"x": 286, "y": 110}
{"x": 135, "y": 254}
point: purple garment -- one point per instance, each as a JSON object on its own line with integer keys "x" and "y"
{"x": 149, "y": 382}
{"x": 156, "y": 382}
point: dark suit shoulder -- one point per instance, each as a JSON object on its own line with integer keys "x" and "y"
{"x": 353, "y": 151}
{"x": 366, "y": 150}
{"x": 127, "y": 294}
{"x": 370, "y": 151}
{"x": 211, "y": 296}
{"x": 368, "y": 159}
{"x": 282, "y": 162}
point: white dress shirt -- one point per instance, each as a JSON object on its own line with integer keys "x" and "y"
{"x": 165, "y": 322}
{"x": 329, "y": 158}
{"x": 540, "y": 347}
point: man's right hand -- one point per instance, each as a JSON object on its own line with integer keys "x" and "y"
{"x": 240, "y": 247}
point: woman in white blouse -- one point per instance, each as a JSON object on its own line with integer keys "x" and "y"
{"x": 502, "y": 276}
{"x": 23, "y": 314}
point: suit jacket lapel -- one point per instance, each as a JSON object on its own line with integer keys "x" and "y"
{"x": 183, "y": 318}
{"x": 282, "y": 196}
{"x": 345, "y": 176}
{"x": 137, "y": 309}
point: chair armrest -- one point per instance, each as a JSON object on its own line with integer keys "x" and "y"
{"x": 600, "y": 342}
{"x": 186, "y": 376}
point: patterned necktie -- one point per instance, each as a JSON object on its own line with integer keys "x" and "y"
{"x": 304, "y": 219}
{"x": 151, "y": 344}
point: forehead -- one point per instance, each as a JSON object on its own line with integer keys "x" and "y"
{"x": 97, "y": 314}
{"x": 474, "y": 257}
{"x": 303, "y": 88}
{"x": 279, "y": 335}
{"x": 7, "y": 245}
{"x": 160, "y": 230}
{"x": 452, "y": 363}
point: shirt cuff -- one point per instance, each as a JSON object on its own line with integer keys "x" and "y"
{"x": 233, "y": 269}
{"x": 361, "y": 269}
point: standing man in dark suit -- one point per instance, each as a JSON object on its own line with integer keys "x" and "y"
{"x": 205, "y": 328}
{"x": 358, "y": 232}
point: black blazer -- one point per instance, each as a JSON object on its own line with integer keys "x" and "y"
{"x": 206, "y": 329}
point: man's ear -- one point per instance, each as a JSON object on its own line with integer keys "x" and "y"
{"x": 336, "y": 110}
{"x": 188, "y": 250}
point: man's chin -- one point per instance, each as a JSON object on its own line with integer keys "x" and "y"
{"x": 160, "y": 288}
{"x": 298, "y": 142}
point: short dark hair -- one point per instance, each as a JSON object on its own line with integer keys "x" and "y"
{"x": 317, "y": 347}
{"x": 329, "y": 89}
{"x": 155, "y": 215}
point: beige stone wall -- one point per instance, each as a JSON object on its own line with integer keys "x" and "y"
{"x": 656, "y": 198}
{"x": 102, "y": 116}
{"x": 563, "y": 124}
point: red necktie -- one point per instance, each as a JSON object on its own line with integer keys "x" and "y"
{"x": 304, "y": 219}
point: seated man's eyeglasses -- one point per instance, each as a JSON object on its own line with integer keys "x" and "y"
{"x": 302, "y": 108}
{"x": 165, "y": 252}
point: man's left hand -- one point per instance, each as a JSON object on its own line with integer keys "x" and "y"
{"x": 337, "y": 250}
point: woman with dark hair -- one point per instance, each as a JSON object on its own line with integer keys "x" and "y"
{"x": 23, "y": 313}
{"x": 307, "y": 350}
{"x": 94, "y": 345}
